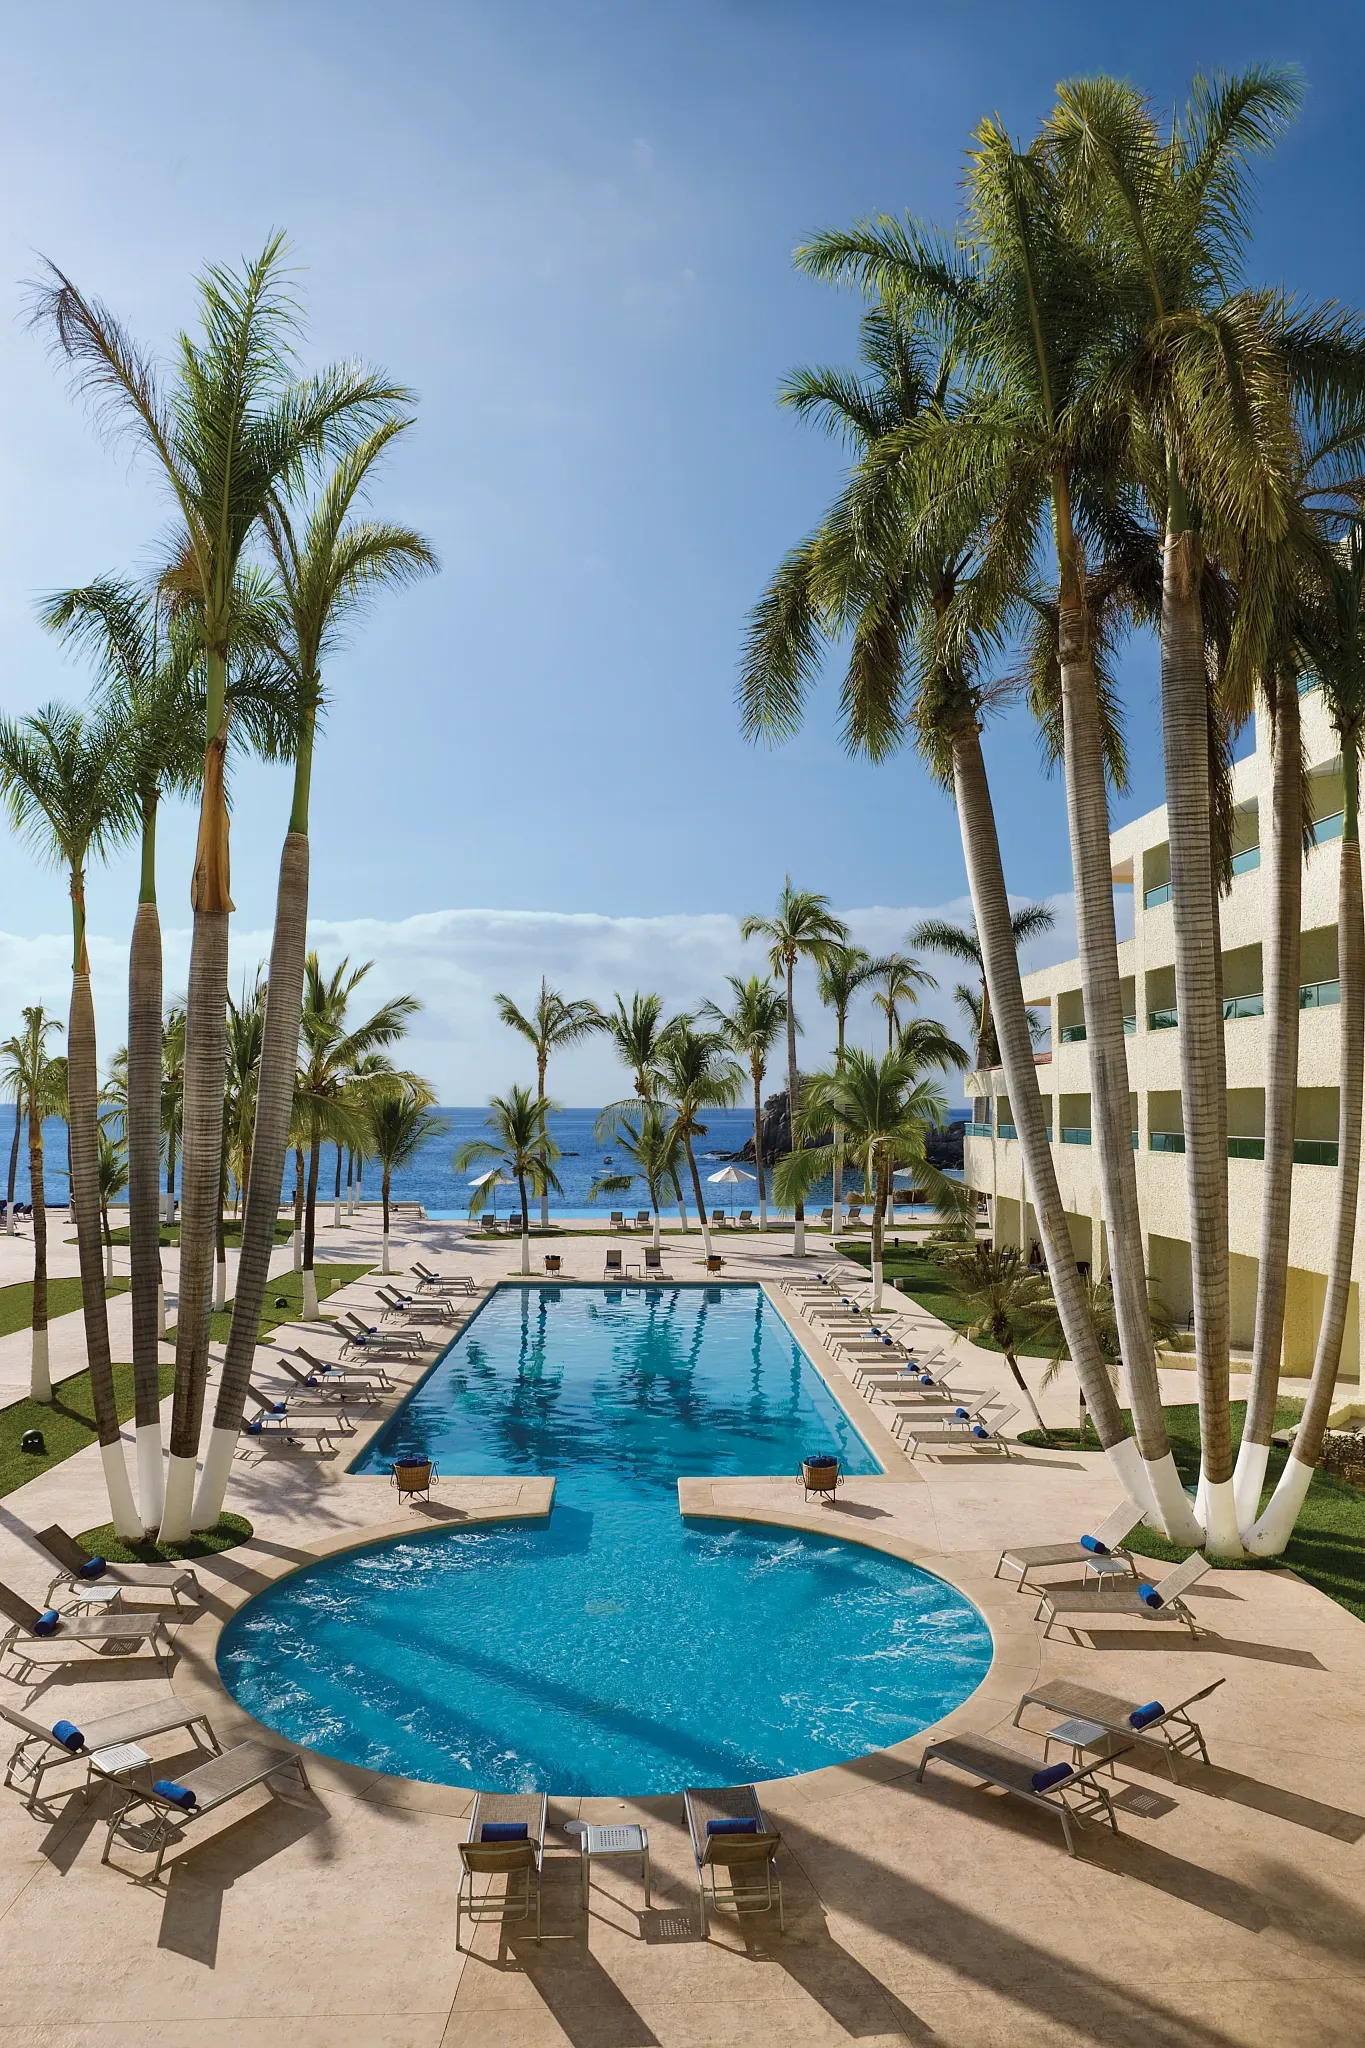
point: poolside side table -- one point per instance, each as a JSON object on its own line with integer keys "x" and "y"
{"x": 617, "y": 1841}
{"x": 1079, "y": 1736}
{"x": 1109, "y": 1567}
{"x": 115, "y": 1764}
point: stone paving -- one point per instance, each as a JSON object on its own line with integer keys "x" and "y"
{"x": 1228, "y": 1913}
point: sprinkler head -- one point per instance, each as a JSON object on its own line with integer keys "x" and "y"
{"x": 32, "y": 1441}
{"x": 281, "y": 1301}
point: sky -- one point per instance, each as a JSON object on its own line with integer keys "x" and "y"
{"x": 567, "y": 225}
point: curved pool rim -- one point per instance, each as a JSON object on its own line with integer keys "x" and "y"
{"x": 1015, "y": 1663}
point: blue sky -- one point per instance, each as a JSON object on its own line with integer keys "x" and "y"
{"x": 569, "y": 227}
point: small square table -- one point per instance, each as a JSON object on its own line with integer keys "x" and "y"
{"x": 627, "y": 1840}
{"x": 91, "y": 1593}
{"x": 1079, "y": 1736}
{"x": 1106, "y": 1567}
{"x": 116, "y": 1763}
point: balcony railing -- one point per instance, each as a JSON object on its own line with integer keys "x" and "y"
{"x": 1076, "y": 1134}
{"x": 1246, "y": 860}
{"x": 1006, "y": 1131}
{"x": 1244, "y": 1006}
{"x": 1319, "y": 995}
{"x": 1246, "y": 1148}
{"x": 1072, "y": 1034}
{"x": 1166, "y": 1141}
{"x": 1129, "y": 1026}
{"x": 1153, "y": 897}
{"x": 1162, "y": 1020}
{"x": 1323, "y": 829}
{"x": 978, "y": 1130}
{"x": 1315, "y": 1151}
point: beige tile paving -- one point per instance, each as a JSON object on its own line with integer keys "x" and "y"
{"x": 1230, "y": 1912}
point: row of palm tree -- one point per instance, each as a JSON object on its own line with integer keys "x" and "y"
{"x": 1076, "y": 418}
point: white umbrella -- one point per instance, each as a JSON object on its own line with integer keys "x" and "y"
{"x": 731, "y": 1177}
{"x": 494, "y": 1178}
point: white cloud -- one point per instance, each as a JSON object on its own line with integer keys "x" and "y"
{"x": 455, "y": 960}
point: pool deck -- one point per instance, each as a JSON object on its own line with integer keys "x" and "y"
{"x": 1229, "y": 1912}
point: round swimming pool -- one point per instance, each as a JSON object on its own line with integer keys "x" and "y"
{"x": 612, "y": 1651}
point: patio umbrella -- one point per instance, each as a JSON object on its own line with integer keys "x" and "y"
{"x": 495, "y": 1178}
{"x": 730, "y": 1177}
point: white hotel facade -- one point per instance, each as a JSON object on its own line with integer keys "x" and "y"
{"x": 1141, "y": 861}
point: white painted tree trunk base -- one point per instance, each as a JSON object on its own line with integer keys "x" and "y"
{"x": 122, "y": 1506}
{"x": 763, "y": 1215}
{"x": 220, "y": 1286}
{"x": 1248, "y": 1482}
{"x": 40, "y": 1376}
{"x": 298, "y": 1251}
{"x": 1276, "y": 1525}
{"x": 1222, "y": 1537}
{"x": 656, "y": 1230}
{"x": 836, "y": 1221}
{"x": 1172, "y": 1508}
{"x": 108, "y": 1262}
{"x": 525, "y": 1253}
{"x": 160, "y": 1313}
{"x": 384, "y": 1265}
{"x": 876, "y": 1287}
{"x": 799, "y": 1239}
{"x": 1125, "y": 1462}
{"x": 213, "y": 1483}
{"x": 545, "y": 1212}
{"x": 175, "y": 1512}
{"x": 336, "y": 1214}
{"x": 310, "y": 1295}
{"x": 151, "y": 1474}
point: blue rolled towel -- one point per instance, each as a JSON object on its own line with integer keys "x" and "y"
{"x": 732, "y": 1827}
{"x": 1053, "y": 1774}
{"x": 503, "y": 1831}
{"x": 312, "y": 1380}
{"x": 1142, "y": 1717}
{"x": 46, "y": 1624}
{"x": 279, "y": 1407}
{"x": 822, "y": 1460}
{"x": 178, "y": 1795}
{"x": 1149, "y": 1596}
{"x": 1093, "y": 1543}
{"x": 963, "y": 1414}
{"x": 92, "y": 1568}
{"x": 69, "y": 1735}
{"x": 978, "y": 1430}
{"x": 253, "y": 1427}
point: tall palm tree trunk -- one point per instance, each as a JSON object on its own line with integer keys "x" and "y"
{"x": 1000, "y": 959}
{"x": 878, "y": 1245}
{"x": 14, "y": 1157}
{"x": 144, "y": 1176}
{"x": 525, "y": 1225}
{"x": 40, "y": 1376}
{"x": 758, "y": 1149}
{"x": 270, "y": 1143}
{"x": 336, "y": 1203}
{"x": 1088, "y": 819}
{"x": 83, "y": 1126}
{"x": 298, "y": 1201}
{"x": 1185, "y": 736}
{"x": 1282, "y": 953}
{"x": 700, "y": 1199}
{"x": 837, "y": 1191}
{"x": 384, "y": 1263}
{"x": 310, "y": 1229}
{"x": 1274, "y": 1528}
{"x": 799, "y": 1213}
{"x": 540, "y": 1097}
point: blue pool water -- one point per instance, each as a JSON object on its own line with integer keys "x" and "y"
{"x": 613, "y": 1648}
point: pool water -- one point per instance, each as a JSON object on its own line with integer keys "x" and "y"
{"x": 614, "y": 1647}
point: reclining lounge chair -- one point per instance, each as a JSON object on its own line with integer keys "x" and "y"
{"x": 1044, "y": 1785}
{"x": 41, "y": 1749}
{"x": 506, "y": 1839}
{"x": 730, "y": 1834}
{"x": 1169, "y": 1727}
{"x": 177, "y": 1803}
{"x": 1144, "y": 1604}
{"x": 31, "y": 1628}
{"x": 79, "y": 1568}
{"x": 1107, "y": 1541}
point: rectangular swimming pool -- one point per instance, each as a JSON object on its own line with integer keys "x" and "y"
{"x": 619, "y": 1392}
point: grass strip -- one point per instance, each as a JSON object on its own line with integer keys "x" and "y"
{"x": 63, "y": 1298}
{"x": 284, "y": 1300}
{"x": 232, "y": 1234}
{"x": 226, "y": 1534}
{"x": 925, "y": 1281}
{"x": 67, "y": 1423}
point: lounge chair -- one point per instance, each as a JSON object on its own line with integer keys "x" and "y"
{"x": 718, "y": 1219}
{"x": 32, "y": 1627}
{"x": 853, "y": 1216}
{"x": 617, "y": 1220}
{"x": 1044, "y": 1785}
{"x": 328, "y": 1386}
{"x": 1107, "y": 1541}
{"x": 1144, "y": 1603}
{"x": 506, "y": 1839}
{"x": 985, "y": 1435}
{"x": 746, "y": 1220}
{"x": 208, "y": 1786}
{"x": 272, "y": 1420}
{"x": 654, "y": 1263}
{"x": 614, "y": 1268}
{"x": 328, "y": 1369}
{"x": 1170, "y": 1727}
{"x": 488, "y": 1224}
{"x": 918, "y": 1370}
{"x": 729, "y": 1833}
{"x": 449, "y": 1283}
{"x": 827, "y": 1219}
{"x": 39, "y": 1749}
{"x": 356, "y": 1335}
{"x": 79, "y": 1568}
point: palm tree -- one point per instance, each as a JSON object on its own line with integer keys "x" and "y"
{"x": 245, "y": 1032}
{"x": 113, "y": 1179}
{"x": 62, "y": 782}
{"x": 521, "y": 1146}
{"x": 172, "y": 1095}
{"x": 556, "y": 1021}
{"x": 152, "y": 688}
{"x": 43, "y": 1092}
{"x": 654, "y": 1142}
{"x": 903, "y": 978}
{"x": 750, "y": 1029}
{"x": 236, "y": 428}
{"x": 12, "y": 1081}
{"x": 696, "y": 1074}
{"x": 330, "y": 1052}
{"x": 844, "y": 970}
{"x": 960, "y": 942}
{"x": 399, "y": 1125}
{"x": 1105, "y": 1320}
{"x": 637, "y": 1035}
{"x": 1031, "y": 314}
{"x": 1005, "y": 1299}
{"x": 803, "y": 928}
{"x": 896, "y": 585}
{"x": 880, "y": 1109}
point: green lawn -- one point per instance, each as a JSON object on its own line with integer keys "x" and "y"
{"x": 63, "y": 1296}
{"x": 226, "y": 1534}
{"x": 924, "y": 1280}
{"x": 290, "y": 1286}
{"x": 68, "y": 1424}
{"x": 232, "y": 1233}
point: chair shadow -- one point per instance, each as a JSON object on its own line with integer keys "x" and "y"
{"x": 1214, "y": 1782}
{"x": 1209, "y": 1643}
{"x": 195, "y": 1879}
